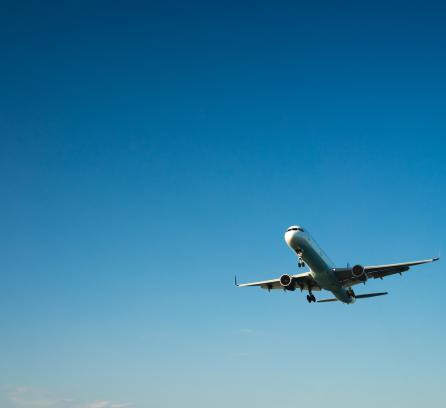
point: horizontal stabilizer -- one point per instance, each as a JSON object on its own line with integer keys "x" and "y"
{"x": 368, "y": 295}
{"x": 363, "y": 296}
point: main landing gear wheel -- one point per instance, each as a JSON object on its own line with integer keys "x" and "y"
{"x": 311, "y": 298}
{"x": 300, "y": 263}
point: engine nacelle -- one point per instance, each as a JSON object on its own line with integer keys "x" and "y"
{"x": 287, "y": 282}
{"x": 358, "y": 272}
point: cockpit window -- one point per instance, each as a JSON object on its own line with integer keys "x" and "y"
{"x": 295, "y": 229}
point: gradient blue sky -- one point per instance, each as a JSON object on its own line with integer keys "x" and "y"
{"x": 150, "y": 150}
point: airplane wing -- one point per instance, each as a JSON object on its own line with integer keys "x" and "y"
{"x": 345, "y": 275}
{"x": 302, "y": 281}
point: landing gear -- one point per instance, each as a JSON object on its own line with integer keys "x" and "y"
{"x": 311, "y": 298}
{"x": 300, "y": 261}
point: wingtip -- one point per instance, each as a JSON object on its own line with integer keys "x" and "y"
{"x": 435, "y": 259}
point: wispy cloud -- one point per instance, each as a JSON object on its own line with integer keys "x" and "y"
{"x": 27, "y": 397}
{"x": 247, "y": 331}
{"x": 107, "y": 404}
{"x": 22, "y": 397}
{"x": 98, "y": 404}
{"x": 239, "y": 354}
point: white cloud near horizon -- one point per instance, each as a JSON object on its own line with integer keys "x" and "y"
{"x": 22, "y": 397}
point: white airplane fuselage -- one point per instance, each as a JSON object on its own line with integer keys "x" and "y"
{"x": 321, "y": 267}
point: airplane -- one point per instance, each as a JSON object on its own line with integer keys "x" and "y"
{"x": 323, "y": 275}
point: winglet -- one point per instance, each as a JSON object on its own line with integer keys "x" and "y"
{"x": 438, "y": 256}
{"x": 235, "y": 280}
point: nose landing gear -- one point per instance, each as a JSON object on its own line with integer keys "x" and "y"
{"x": 300, "y": 261}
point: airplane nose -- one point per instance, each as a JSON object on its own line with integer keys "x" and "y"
{"x": 290, "y": 237}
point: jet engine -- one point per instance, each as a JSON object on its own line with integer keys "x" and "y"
{"x": 287, "y": 282}
{"x": 358, "y": 272}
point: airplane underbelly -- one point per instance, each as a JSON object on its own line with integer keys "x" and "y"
{"x": 326, "y": 280}
{"x": 320, "y": 268}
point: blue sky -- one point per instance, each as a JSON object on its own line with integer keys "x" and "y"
{"x": 151, "y": 150}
